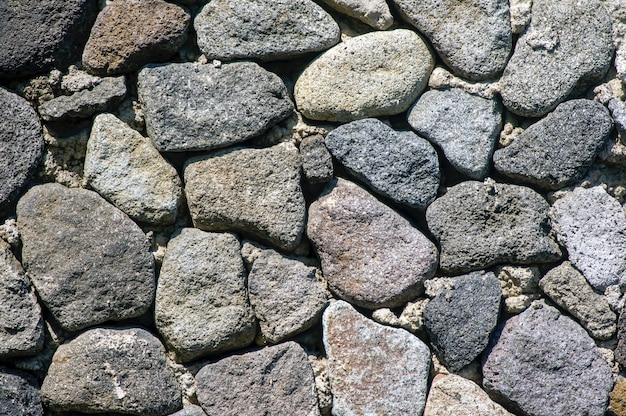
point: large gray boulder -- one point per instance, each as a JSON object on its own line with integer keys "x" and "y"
{"x": 19, "y": 393}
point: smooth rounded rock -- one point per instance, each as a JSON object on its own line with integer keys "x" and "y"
{"x": 19, "y": 393}
{"x": 374, "y": 13}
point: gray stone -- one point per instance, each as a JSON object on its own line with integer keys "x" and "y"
{"x": 620, "y": 350}
{"x": 192, "y": 106}
{"x": 460, "y": 320}
{"x": 592, "y": 226}
{"x": 88, "y": 261}
{"x": 569, "y": 289}
{"x": 285, "y": 295}
{"x": 268, "y": 31}
{"x": 373, "y": 369}
{"x": 618, "y": 112}
{"x": 19, "y": 394}
{"x": 112, "y": 370}
{"x": 253, "y": 191}
{"x": 317, "y": 163}
{"x": 129, "y": 34}
{"x": 465, "y": 126}
{"x": 472, "y": 37}
{"x": 38, "y": 35}
{"x": 83, "y": 104}
{"x": 559, "y": 149}
{"x": 376, "y": 74}
{"x": 545, "y": 364}
{"x": 567, "y": 44}
{"x": 374, "y": 13}
{"x": 493, "y": 223}
{"x": 201, "y": 302}
{"x": 370, "y": 255}
{"x": 276, "y": 380}
{"x": 398, "y": 165}
{"x": 191, "y": 410}
{"x": 21, "y": 144}
{"x": 124, "y": 167}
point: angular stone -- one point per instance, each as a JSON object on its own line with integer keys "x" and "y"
{"x": 199, "y": 107}
{"x": 493, "y": 223}
{"x": 620, "y": 350}
{"x": 201, "y": 302}
{"x": 124, "y": 167}
{"x": 88, "y": 261}
{"x": 567, "y": 44}
{"x": 472, "y": 37}
{"x": 387, "y": 69}
{"x": 268, "y": 31}
{"x": 112, "y": 370}
{"x": 374, "y": 13}
{"x": 370, "y": 255}
{"x": 19, "y": 393}
{"x": 618, "y": 112}
{"x": 373, "y": 369}
{"x": 460, "y": 320}
{"x": 253, "y": 191}
{"x": 129, "y": 34}
{"x": 317, "y": 163}
{"x": 398, "y": 165}
{"x": 544, "y": 363}
{"x": 559, "y": 149}
{"x": 592, "y": 226}
{"x": 465, "y": 126}
{"x": 276, "y": 380}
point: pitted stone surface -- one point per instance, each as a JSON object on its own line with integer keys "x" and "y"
{"x": 374, "y": 13}
{"x": 317, "y": 162}
{"x": 19, "y": 393}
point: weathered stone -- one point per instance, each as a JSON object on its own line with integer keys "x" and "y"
{"x": 493, "y": 223}
{"x": 370, "y": 255}
{"x": 19, "y": 394}
{"x": 620, "y": 350}
{"x": 199, "y": 107}
{"x": 519, "y": 287}
{"x": 88, "y": 261}
{"x": 317, "y": 163}
{"x": 276, "y": 380}
{"x": 387, "y": 69}
{"x": 373, "y": 369}
{"x": 374, "y": 13}
{"x": 398, "y": 165}
{"x": 617, "y": 405}
{"x": 191, "y": 410}
{"x": 124, "y": 167}
{"x": 112, "y": 370}
{"x": 465, "y": 126}
{"x": 543, "y": 363}
{"x": 557, "y": 150}
{"x": 618, "y": 112}
{"x": 129, "y": 34}
{"x": 567, "y": 44}
{"x": 472, "y": 37}
{"x": 201, "y": 302}
{"x": 253, "y": 191}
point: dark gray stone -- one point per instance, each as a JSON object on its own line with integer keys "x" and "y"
{"x": 620, "y": 350}
{"x": 398, "y": 165}
{"x": 88, "y": 261}
{"x": 192, "y": 106}
{"x": 559, "y": 149}
{"x": 460, "y": 319}
{"x": 317, "y": 163}
{"x": 19, "y": 394}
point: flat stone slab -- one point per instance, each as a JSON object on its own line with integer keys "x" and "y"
{"x": 19, "y": 393}
{"x": 374, "y": 13}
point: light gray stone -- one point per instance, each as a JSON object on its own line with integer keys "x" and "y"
{"x": 618, "y": 112}
{"x": 374, "y": 13}
{"x": 376, "y": 74}
{"x": 373, "y": 369}
{"x": 465, "y": 126}
{"x": 19, "y": 394}
{"x": 317, "y": 162}
{"x": 191, "y": 410}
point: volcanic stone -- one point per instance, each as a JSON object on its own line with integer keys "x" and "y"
{"x": 317, "y": 162}
{"x": 191, "y": 410}
{"x": 620, "y": 350}
{"x": 374, "y": 13}
{"x": 617, "y": 405}
{"x": 19, "y": 394}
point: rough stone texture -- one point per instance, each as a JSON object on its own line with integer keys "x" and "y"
{"x": 38, "y": 35}
{"x": 411, "y": 318}
{"x": 559, "y": 149}
{"x": 520, "y": 15}
{"x": 472, "y": 37}
{"x": 268, "y": 31}
{"x": 543, "y": 363}
{"x": 460, "y": 320}
{"x": 567, "y": 44}
{"x": 21, "y": 144}
{"x": 201, "y": 302}
{"x": 317, "y": 163}
{"x": 370, "y": 255}
{"x": 620, "y": 350}
{"x": 124, "y": 167}
{"x": 455, "y": 395}
{"x": 388, "y": 69}
{"x": 618, "y": 112}
{"x": 192, "y": 106}
{"x": 617, "y": 405}
{"x": 88, "y": 261}
{"x": 276, "y": 380}
{"x": 129, "y": 34}
{"x": 373, "y": 369}
{"x": 254, "y": 191}
{"x": 191, "y": 410}
{"x": 105, "y": 95}
{"x": 398, "y": 165}
{"x": 519, "y": 287}
{"x": 465, "y": 126}
{"x": 374, "y": 13}
{"x": 569, "y": 289}
{"x": 493, "y": 223}
{"x": 592, "y": 226}
{"x": 112, "y": 370}
{"x": 285, "y": 295}
{"x": 19, "y": 394}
